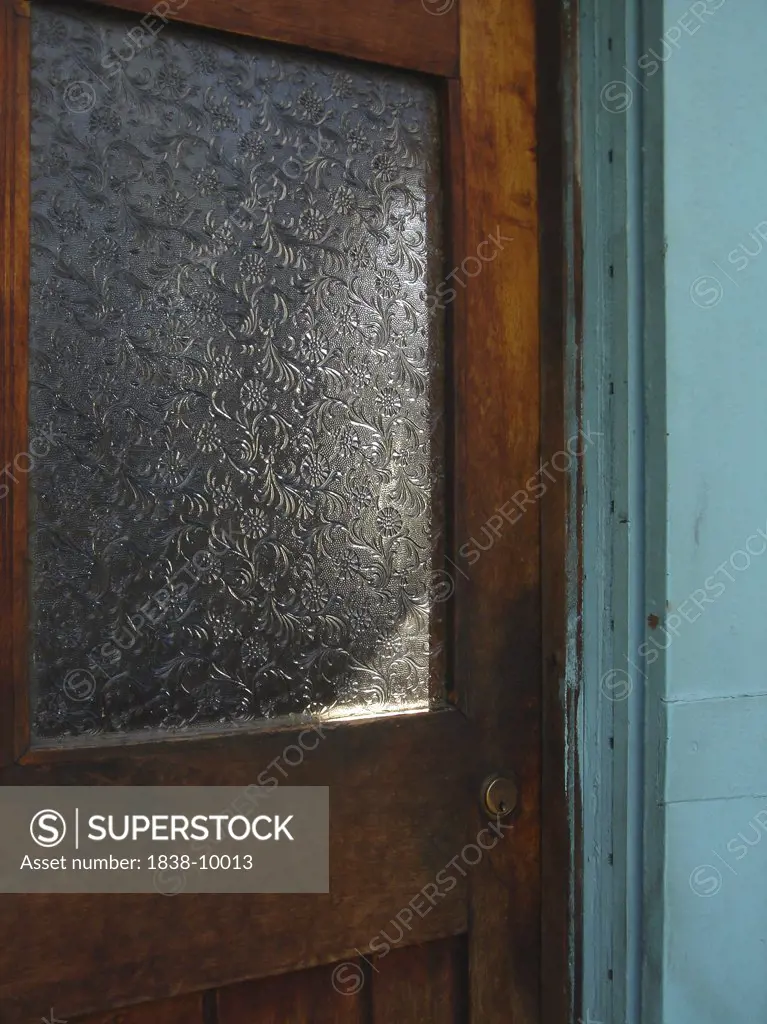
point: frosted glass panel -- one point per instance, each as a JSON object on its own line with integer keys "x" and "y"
{"x": 232, "y": 250}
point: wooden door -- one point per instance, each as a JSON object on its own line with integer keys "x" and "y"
{"x": 415, "y": 120}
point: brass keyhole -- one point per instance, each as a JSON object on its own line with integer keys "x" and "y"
{"x": 500, "y": 795}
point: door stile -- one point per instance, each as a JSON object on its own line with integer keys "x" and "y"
{"x": 498, "y": 629}
{"x": 15, "y": 451}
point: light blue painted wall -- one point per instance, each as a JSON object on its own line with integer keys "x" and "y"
{"x": 715, "y": 174}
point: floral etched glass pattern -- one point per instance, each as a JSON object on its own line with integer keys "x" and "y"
{"x": 236, "y": 368}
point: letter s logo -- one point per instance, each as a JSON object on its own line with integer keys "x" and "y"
{"x": 48, "y": 828}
